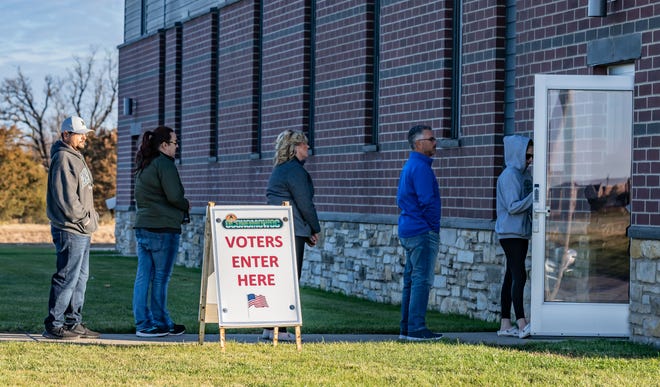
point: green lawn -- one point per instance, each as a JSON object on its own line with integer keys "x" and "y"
{"x": 26, "y": 272}
{"x": 24, "y": 284}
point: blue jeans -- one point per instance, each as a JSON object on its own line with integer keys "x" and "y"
{"x": 421, "y": 253}
{"x": 156, "y": 255}
{"x": 68, "y": 284}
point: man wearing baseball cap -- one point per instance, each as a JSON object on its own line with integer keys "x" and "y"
{"x": 70, "y": 208}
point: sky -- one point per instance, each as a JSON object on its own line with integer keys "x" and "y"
{"x": 43, "y": 36}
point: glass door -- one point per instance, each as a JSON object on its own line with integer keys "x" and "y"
{"x": 582, "y": 169}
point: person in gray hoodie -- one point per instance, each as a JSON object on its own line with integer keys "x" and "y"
{"x": 514, "y": 229}
{"x": 70, "y": 208}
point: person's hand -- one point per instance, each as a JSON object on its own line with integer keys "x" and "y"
{"x": 311, "y": 241}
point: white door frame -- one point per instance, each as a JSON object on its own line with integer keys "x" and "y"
{"x": 565, "y": 318}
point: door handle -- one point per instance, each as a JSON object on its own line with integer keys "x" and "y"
{"x": 545, "y": 211}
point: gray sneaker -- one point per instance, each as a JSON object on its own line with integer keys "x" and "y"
{"x": 84, "y": 332}
{"x": 60, "y": 333}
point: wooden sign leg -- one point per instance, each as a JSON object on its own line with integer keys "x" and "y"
{"x": 206, "y": 268}
{"x": 276, "y": 334}
{"x": 222, "y": 339}
{"x": 298, "y": 338}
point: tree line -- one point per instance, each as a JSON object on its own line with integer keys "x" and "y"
{"x": 30, "y": 124}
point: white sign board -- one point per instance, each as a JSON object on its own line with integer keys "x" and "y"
{"x": 254, "y": 256}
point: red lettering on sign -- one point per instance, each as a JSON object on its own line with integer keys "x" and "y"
{"x": 254, "y": 261}
{"x": 253, "y": 241}
{"x": 256, "y": 279}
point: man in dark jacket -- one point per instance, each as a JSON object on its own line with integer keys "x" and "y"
{"x": 70, "y": 208}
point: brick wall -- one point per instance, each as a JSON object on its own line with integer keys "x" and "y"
{"x": 472, "y": 168}
{"x": 229, "y": 91}
{"x": 139, "y": 80}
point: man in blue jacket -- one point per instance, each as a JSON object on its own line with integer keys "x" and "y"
{"x": 418, "y": 198}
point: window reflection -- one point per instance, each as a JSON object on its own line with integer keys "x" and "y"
{"x": 588, "y": 172}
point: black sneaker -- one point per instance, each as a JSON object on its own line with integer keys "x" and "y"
{"x": 152, "y": 332}
{"x": 59, "y": 333}
{"x": 423, "y": 335}
{"x": 177, "y": 330}
{"x": 84, "y": 332}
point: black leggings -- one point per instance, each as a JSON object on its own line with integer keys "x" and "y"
{"x": 515, "y": 278}
{"x": 300, "y": 252}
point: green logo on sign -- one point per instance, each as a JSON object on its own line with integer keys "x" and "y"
{"x": 233, "y": 223}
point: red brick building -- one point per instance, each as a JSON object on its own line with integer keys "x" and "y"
{"x": 355, "y": 75}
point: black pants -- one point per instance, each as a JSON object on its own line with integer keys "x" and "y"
{"x": 300, "y": 251}
{"x": 515, "y": 278}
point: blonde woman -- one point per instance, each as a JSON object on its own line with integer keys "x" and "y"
{"x": 290, "y": 182}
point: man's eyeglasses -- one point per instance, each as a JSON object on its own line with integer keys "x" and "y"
{"x": 529, "y": 156}
{"x": 432, "y": 139}
{"x": 172, "y": 142}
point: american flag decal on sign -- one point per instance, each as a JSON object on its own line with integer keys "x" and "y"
{"x": 258, "y": 301}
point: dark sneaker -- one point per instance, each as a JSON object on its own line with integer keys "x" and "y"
{"x": 84, "y": 332}
{"x": 152, "y": 332}
{"x": 424, "y": 335}
{"x": 177, "y": 330}
{"x": 59, "y": 333}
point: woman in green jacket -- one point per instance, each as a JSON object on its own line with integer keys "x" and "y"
{"x": 161, "y": 209}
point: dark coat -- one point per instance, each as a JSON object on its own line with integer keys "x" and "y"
{"x": 291, "y": 182}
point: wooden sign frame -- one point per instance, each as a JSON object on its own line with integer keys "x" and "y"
{"x": 249, "y": 271}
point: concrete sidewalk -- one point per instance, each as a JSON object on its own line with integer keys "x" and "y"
{"x": 488, "y": 338}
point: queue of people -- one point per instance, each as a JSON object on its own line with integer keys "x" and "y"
{"x": 161, "y": 209}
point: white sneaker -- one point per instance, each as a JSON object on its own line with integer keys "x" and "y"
{"x": 283, "y": 336}
{"x": 513, "y": 332}
{"x": 525, "y": 332}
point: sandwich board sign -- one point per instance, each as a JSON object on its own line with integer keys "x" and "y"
{"x": 252, "y": 279}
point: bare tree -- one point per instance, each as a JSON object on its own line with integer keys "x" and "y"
{"x": 19, "y": 107}
{"x": 89, "y": 91}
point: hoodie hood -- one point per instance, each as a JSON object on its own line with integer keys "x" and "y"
{"x": 515, "y": 147}
{"x": 60, "y": 146}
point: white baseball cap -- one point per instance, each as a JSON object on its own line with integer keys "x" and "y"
{"x": 75, "y": 125}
